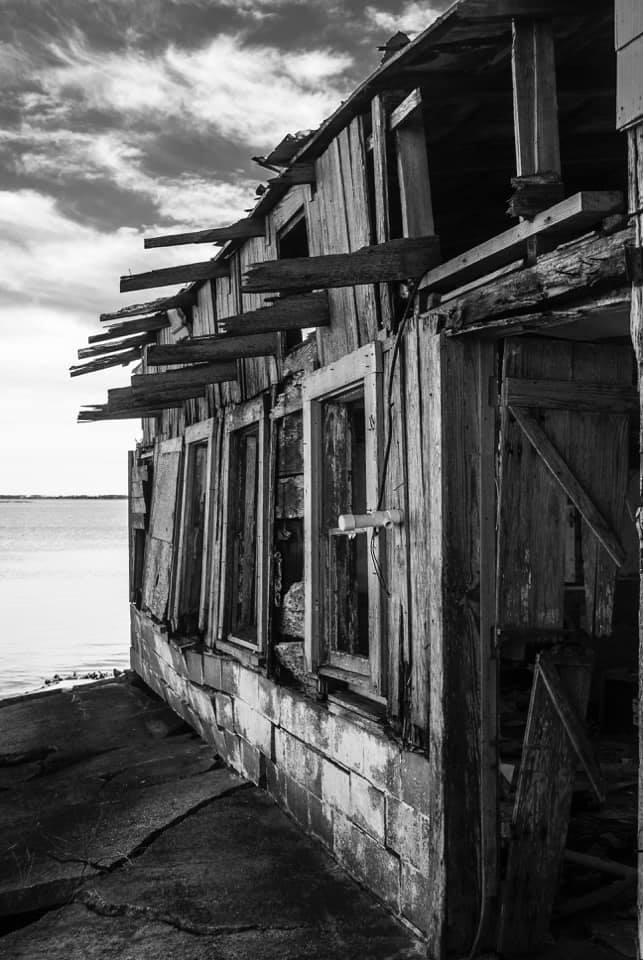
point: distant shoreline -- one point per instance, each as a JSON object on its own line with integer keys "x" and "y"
{"x": 63, "y": 496}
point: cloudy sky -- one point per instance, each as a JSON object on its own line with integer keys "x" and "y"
{"x": 119, "y": 119}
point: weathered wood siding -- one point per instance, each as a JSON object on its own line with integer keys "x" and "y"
{"x": 629, "y": 46}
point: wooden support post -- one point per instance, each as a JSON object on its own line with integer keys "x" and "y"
{"x": 241, "y": 230}
{"x": 380, "y": 107}
{"x": 215, "y": 348}
{"x": 542, "y": 808}
{"x": 185, "y": 273}
{"x": 535, "y": 118}
{"x": 392, "y": 261}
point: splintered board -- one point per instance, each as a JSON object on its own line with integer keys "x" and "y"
{"x": 160, "y": 544}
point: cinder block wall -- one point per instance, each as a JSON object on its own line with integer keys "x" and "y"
{"x": 344, "y": 781}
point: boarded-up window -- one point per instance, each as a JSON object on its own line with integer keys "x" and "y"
{"x": 244, "y": 600}
{"x": 190, "y": 595}
{"x": 160, "y": 545}
{"x": 139, "y": 486}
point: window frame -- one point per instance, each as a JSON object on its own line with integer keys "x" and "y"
{"x": 240, "y": 418}
{"x": 363, "y": 368}
{"x": 194, "y": 436}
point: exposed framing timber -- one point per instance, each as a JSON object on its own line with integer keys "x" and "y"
{"x": 181, "y": 299}
{"x": 241, "y": 230}
{"x": 215, "y": 348}
{"x": 92, "y": 414}
{"x": 570, "y": 217}
{"x": 185, "y": 272}
{"x": 383, "y": 262}
{"x": 150, "y": 396}
{"x": 413, "y": 167}
{"x": 200, "y": 375}
{"x": 507, "y": 9}
{"x": 103, "y": 363}
{"x": 140, "y": 325}
{"x": 577, "y": 395}
{"x": 290, "y": 313}
{"x": 100, "y": 349}
{"x": 299, "y": 174}
{"x": 406, "y": 110}
{"x": 570, "y": 484}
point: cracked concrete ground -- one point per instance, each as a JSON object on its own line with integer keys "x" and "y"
{"x": 122, "y": 835}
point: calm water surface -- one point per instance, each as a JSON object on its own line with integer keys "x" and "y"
{"x": 63, "y": 590}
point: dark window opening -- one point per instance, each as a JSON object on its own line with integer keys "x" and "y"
{"x": 243, "y": 533}
{"x": 193, "y": 538}
{"x": 292, "y": 241}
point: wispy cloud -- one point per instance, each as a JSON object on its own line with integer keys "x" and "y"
{"x": 412, "y": 18}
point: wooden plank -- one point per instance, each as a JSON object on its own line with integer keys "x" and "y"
{"x": 152, "y": 306}
{"x": 629, "y": 91}
{"x": 572, "y": 724}
{"x": 104, "y": 413}
{"x": 129, "y": 343}
{"x": 215, "y": 348}
{"x": 541, "y": 811}
{"x": 628, "y": 21}
{"x": 571, "y": 270}
{"x": 582, "y": 396}
{"x": 570, "y": 484}
{"x": 103, "y": 363}
{"x": 413, "y": 174}
{"x": 297, "y": 174}
{"x": 241, "y": 230}
{"x": 395, "y": 260}
{"x": 141, "y": 325}
{"x": 129, "y": 397}
{"x": 380, "y": 108}
{"x": 199, "y": 374}
{"x": 572, "y": 216}
{"x": 535, "y": 100}
{"x": 505, "y": 9}
{"x": 408, "y": 109}
{"x": 185, "y": 272}
{"x": 290, "y": 313}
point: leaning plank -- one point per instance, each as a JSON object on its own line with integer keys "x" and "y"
{"x": 200, "y": 375}
{"x": 575, "y": 395}
{"x": 573, "y": 725}
{"x": 100, "y": 349}
{"x": 382, "y": 262}
{"x": 574, "y": 269}
{"x": 541, "y": 810}
{"x": 241, "y": 230}
{"x": 570, "y": 484}
{"x": 291, "y": 313}
{"x": 103, "y": 363}
{"x": 139, "y": 325}
{"x": 215, "y": 348}
{"x": 571, "y": 217}
{"x": 152, "y": 306}
{"x": 185, "y": 272}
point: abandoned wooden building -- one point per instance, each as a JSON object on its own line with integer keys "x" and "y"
{"x": 383, "y": 515}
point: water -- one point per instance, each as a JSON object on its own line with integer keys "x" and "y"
{"x": 63, "y": 590}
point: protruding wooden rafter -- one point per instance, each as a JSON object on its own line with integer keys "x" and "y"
{"x": 393, "y": 261}
{"x": 131, "y": 397}
{"x": 299, "y": 174}
{"x": 104, "y": 363}
{"x": 101, "y": 349}
{"x": 184, "y": 273}
{"x": 200, "y": 375}
{"x": 139, "y": 325}
{"x": 241, "y": 230}
{"x": 215, "y": 348}
{"x": 103, "y": 412}
{"x": 290, "y": 313}
{"x": 153, "y": 306}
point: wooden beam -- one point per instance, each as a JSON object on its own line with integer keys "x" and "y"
{"x": 509, "y": 9}
{"x": 383, "y": 262}
{"x": 152, "y": 306}
{"x": 535, "y": 98}
{"x": 409, "y": 107}
{"x": 104, "y": 413}
{"x": 574, "y": 270}
{"x": 298, "y": 174}
{"x": 103, "y": 363}
{"x": 573, "y": 725}
{"x": 570, "y": 484}
{"x": 152, "y": 395}
{"x": 199, "y": 375}
{"x": 381, "y": 105}
{"x": 140, "y": 325}
{"x": 215, "y": 348}
{"x": 101, "y": 349}
{"x": 241, "y": 230}
{"x": 572, "y": 216}
{"x": 575, "y": 395}
{"x": 290, "y": 313}
{"x": 184, "y": 273}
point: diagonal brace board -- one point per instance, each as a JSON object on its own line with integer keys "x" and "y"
{"x": 573, "y": 726}
{"x": 570, "y": 484}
